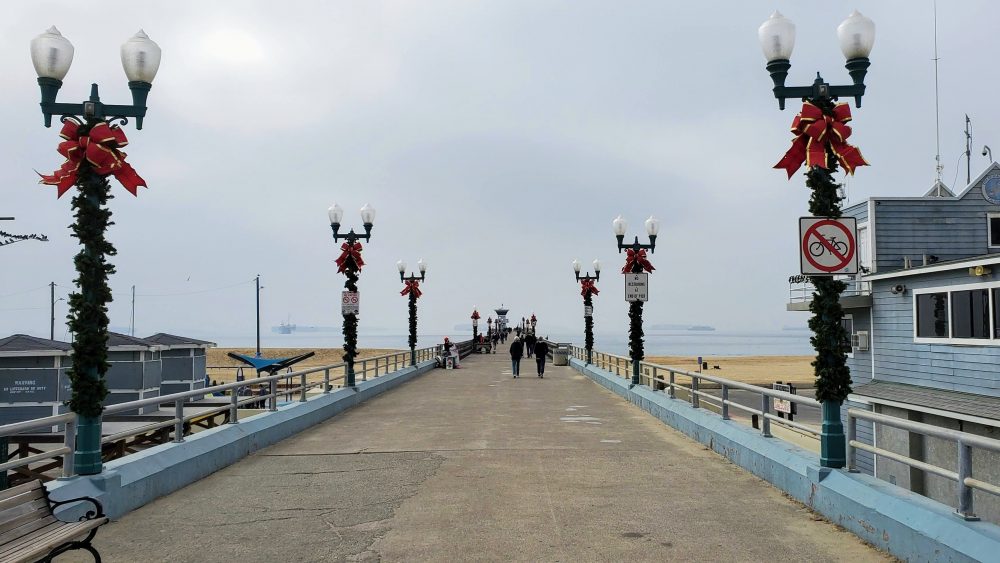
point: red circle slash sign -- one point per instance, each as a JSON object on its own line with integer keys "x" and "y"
{"x": 842, "y": 259}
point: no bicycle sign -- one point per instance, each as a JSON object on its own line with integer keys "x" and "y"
{"x": 828, "y": 246}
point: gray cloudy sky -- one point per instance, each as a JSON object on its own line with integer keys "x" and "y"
{"x": 497, "y": 140}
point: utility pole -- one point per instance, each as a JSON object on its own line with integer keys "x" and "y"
{"x": 968, "y": 150}
{"x": 52, "y": 310}
{"x": 258, "y": 314}
{"x": 131, "y": 322}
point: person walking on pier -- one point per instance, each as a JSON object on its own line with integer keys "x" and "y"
{"x": 516, "y": 353}
{"x": 541, "y": 354}
{"x": 529, "y": 343}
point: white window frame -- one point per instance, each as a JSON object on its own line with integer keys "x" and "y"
{"x": 989, "y": 238}
{"x": 949, "y": 289}
{"x": 864, "y": 234}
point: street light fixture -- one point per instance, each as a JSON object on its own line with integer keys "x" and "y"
{"x": 588, "y": 289}
{"x": 636, "y": 263}
{"x": 821, "y": 144}
{"x": 349, "y": 263}
{"x": 412, "y": 288}
{"x": 91, "y": 150}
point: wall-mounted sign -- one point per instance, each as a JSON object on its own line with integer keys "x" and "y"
{"x": 588, "y": 311}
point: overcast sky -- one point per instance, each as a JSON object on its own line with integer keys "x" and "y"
{"x": 497, "y": 140}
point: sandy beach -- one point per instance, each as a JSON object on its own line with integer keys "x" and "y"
{"x": 748, "y": 369}
{"x": 757, "y": 370}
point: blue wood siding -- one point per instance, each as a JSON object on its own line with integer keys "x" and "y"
{"x": 965, "y": 368}
{"x": 948, "y": 228}
{"x": 859, "y": 211}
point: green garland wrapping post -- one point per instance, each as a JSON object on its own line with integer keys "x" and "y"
{"x": 350, "y": 322}
{"x": 821, "y": 143}
{"x": 635, "y": 334}
{"x": 588, "y": 325}
{"x": 88, "y": 311}
{"x": 413, "y": 320}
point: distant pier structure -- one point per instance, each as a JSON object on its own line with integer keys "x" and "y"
{"x": 501, "y": 312}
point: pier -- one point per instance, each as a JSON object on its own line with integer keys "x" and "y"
{"x": 471, "y": 464}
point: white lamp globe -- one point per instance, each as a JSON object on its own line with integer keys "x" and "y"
{"x": 620, "y": 226}
{"x": 652, "y": 226}
{"x": 856, "y": 35}
{"x": 140, "y": 58}
{"x": 777, "y": 37}
{"x": 368, "y": 214}
{"x": 421, "y": 265}
{"x": 51, "y": 54}
{"x": 576, "y": 266}
{"x": 336, "y": 213}
{"x": 401, "y": 266}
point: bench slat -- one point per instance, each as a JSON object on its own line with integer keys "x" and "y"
{"x": 39, "y": 507}
{"x": 20, "y": 489}
{"x": 29, "y": 537}
{"x": 11, "y": 528}
{"x": 21, "y": 499}
{"x": 45, "y": 543}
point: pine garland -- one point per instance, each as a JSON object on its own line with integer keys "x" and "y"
{"x": 88, "y": 311}
{"x": 833, "y": 377}
{"x": 351, "y": 320}
{"x": 635, "y": 333}
{"x": 413, "y": 319}
{"x": 588, "y": 323}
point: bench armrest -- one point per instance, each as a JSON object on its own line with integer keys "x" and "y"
{"x": 89, "y": 515}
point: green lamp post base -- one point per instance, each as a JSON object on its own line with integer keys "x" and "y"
{"x": 832, "y": 442}
{"x": 87, "y": 454}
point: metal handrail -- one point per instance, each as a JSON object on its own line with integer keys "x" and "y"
{"x": 392, "y": 361}
{"x": 622, "y": 367}
{"x": 964, "y": 442}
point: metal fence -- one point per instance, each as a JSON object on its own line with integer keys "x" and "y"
{"x": 964, "y": 441}
{"x": 800, "y": 289}
{"x": 670, "y": 380}
{"x": 295, "y": 383}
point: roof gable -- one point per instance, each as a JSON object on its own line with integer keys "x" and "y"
{"x": 165, "y": 339}
{"x": 18, "y": 343}
{"x": 975, "y": 188}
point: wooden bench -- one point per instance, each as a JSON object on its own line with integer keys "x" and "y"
{"x": 30, "y": 532}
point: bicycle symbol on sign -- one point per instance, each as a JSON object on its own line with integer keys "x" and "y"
{"x": 818, "y": 249}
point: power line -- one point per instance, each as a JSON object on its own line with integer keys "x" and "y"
{"x": 195, "y": 292}
{"x": 23, "y": 292}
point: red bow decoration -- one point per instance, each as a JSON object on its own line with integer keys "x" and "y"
{"x": 475, "y": 315}
{"x": 100, "y": 148}
{"x": 815, "y": 132}
{"x": 632, "y": 258}
{"x": 414, "y": 286}
{"x": 350, "y": 252}
{"x": 588, "y": 285}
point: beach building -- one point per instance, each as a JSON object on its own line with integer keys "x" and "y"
{"x": 924, "y": 320}
{"x": 33, "y": 381}
{"x": 135, "y": 372}
{"x": 183, "y": 362}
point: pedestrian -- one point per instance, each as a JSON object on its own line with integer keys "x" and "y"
{"x": 516, "y": 353}
{"x": 541, "y": 355}
{"x": 529, "y": 343}
{"x": 447, "y": 352}
{"x": 496, "y": 341}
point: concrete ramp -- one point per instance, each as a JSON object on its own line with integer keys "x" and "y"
{"x": 473, "y": 465}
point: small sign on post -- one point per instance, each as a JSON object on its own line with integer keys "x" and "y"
{"x": 636, "y": 287}
{"x": 588, "y": 311}
{"x": 828, "y": 246}
{"x": 349, "y": 304}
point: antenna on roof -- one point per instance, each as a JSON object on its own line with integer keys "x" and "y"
{"x": 968, "y": 150}
{"x": 937, "y": 110}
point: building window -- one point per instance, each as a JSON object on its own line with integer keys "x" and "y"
{"x": 848, "y": 323}
{"x": 993, "y": 223}
{"x": 970, "y": 314}
{"x": 932, "y": 315}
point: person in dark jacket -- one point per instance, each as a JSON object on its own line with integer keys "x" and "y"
{"x": 541, "y": 354}
{"x": 529, "y": 343}
{"x": 516, "y": 353}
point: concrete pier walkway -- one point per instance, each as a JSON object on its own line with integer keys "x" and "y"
{"x": 472, "y": 465}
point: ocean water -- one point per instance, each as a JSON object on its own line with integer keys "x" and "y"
{"x": 659, "y": 343}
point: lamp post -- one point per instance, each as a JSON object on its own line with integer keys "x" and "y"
{"x": 587, "y": 290}
{"x": 412, "y": 289}
{"x": 475, "y": 324}
{"x": 91, "y": 150}
{"x": 349, "y": 263}
{"x": 822, "y": 150}
{"x": 636, "y": 263}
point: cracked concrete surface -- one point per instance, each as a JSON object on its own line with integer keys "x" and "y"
{"x": 462, "y": 465}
